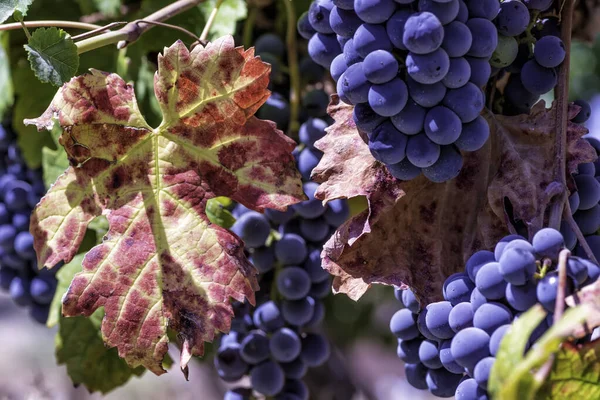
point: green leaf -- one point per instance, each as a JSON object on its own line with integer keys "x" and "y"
{"x": 518, "y": 380}
{"x": 575, "y": 374}
{"x": 218, "y": 214}
{"x": 230, "y": 12}
{"x": 54, "y": 161}
{"x": 80, "y": 347}
{"x": 8, "y": 7}
{"x": 6, "y": 86}
{"x": 512, "y": 348}
{"x": 52, "y": 55}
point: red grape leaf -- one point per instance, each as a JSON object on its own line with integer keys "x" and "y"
{"x": 162, "y": 263}
{"x": 417, "y": 233}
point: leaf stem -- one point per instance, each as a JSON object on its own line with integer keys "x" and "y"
{"x": 561, "y": 110}
{"x": 210, "y": 21}
{"x": 49, "y": 23}
{"x": 25, "y": 30}
{"x": 170, "y": 26}
{"x": 292, "y": 52}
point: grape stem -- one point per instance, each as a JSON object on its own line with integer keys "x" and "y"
{"x": 559, "y": 307}
{"x": 292, "y": 53}
{"x": 568, "y": 216}
{"x": 561, "y": 112}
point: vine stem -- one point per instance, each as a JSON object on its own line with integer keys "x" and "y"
{"x": 210, "y": 21}
{"x": 561, "y": 110}
{"x": 568, "y": 215}
{"x": 559, "y": 307}
{"x": 292, "y": 51}
{"x": 133, "y": 30}
{"x": 49, "y": 23}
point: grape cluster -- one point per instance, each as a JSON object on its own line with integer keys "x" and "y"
{"x": 450, "y": 346}
{"x": 530, "y": 49}
{"x": 20, "y": 190}
{"x": 275, "y": 343}
{"x": 585, "y": 200}
{"x": 413, "y": 69}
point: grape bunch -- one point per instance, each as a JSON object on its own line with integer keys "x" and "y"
{"x": 530, "y": 49}
{"x": 449, "y": 347}
{"x": 413, "y": 71}
{"x": 585, "y": 200}
{"x": 276, "y": 342}
{"x": 20, "y": 190}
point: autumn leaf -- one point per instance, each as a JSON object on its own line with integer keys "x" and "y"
{"x": 575, "y": 373}
{"x": 163, "y": 263}
{"x": 418, "y": 232}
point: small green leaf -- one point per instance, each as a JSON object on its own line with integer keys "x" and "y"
{"x": 6, "y": 86}
{"x": 218, "y": 214}
{"x": 575, "y": 374}
{"x": 512, "y": 348}
{"x": 79, "y": 345}
{"x": 8, "y": 7}
{"x": 54, "y": 160}
{"x": 519, "y": 380}
{"x": 230, "y": 12}
{"x": 52, "y": 55}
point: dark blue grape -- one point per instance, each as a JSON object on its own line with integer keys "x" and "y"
{"x": 403, "y": 325}
{"x": 457, "y": 39}
{"x": 491, "y": 316}
{"x": 411, "y": 119}
{"x": 442, "y": 383}
{"x": 267, "y": 378}
{"x": 338, "y": 67}
{"x": 291, "y": 249}
{"x": 423, "y": 33}
{"x": 469, "y": 346}
{"x": 254, "y": 348}
{"x": 461, "y": 316}
{"x": 298, "y": 312}
{"x": 447, "y": 358}
{"x": 408, "y": 350}
{"x": 416, "y": 375}
{"x": 429, "y": 354}
{"x": 496, "y": 338}
{"x": 387, "y": 144}
{"x": 285, "y": 345}
{"x": 437, "y": 320}
{"x": 315, "y": 349}
{"x": 268, "y": 317}
{"x": 522, "y": 297}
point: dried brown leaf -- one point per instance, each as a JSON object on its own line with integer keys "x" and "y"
{"x": 418, "y": 232}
